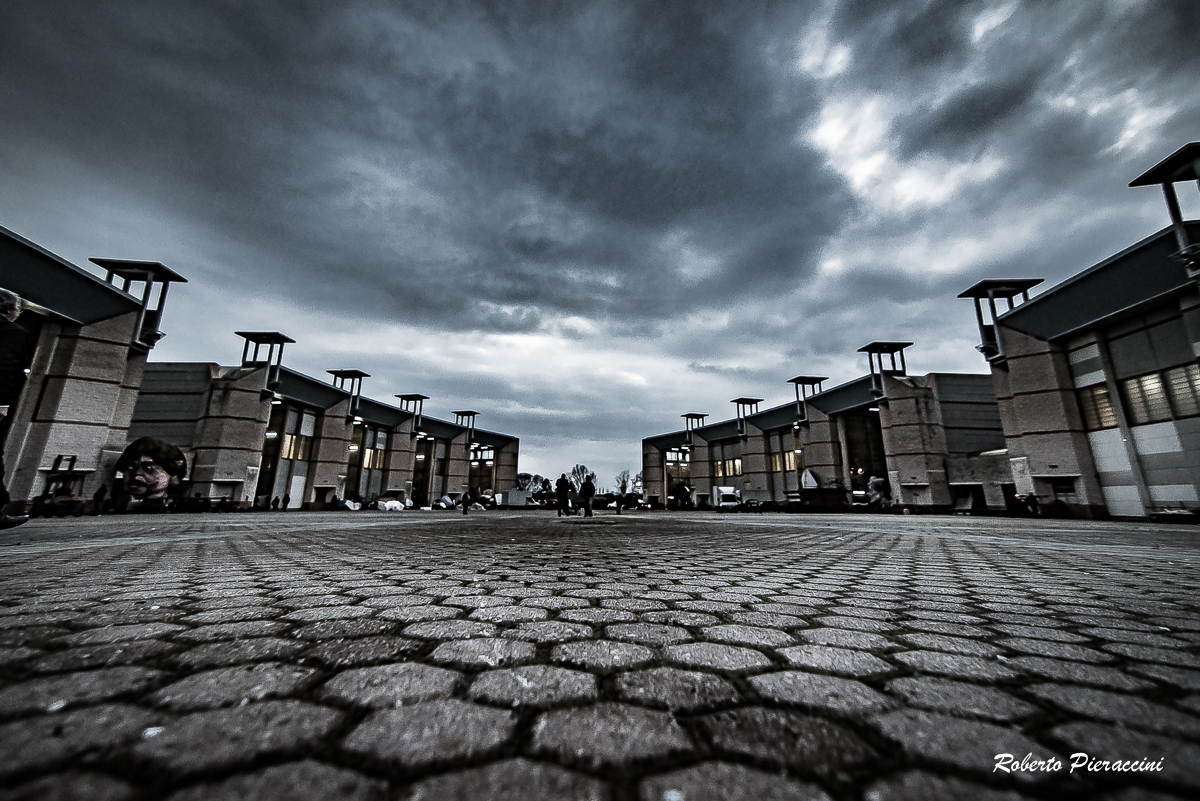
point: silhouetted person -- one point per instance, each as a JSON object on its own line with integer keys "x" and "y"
{"x": 275, "y": 504}
{"x": 466, "y": 500}
{"x": 562, "y": 494}
{"x": 287, "y": 501}
{"x": 98, "y": 499}
{"x": 14, "y": 355}
{"x": 587, "y": 491}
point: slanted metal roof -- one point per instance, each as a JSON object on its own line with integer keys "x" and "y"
{"x": 1182, "y": 165}
{"x": 1120, "y": 286}
{"x": 308, "y": 390}
{"x": 776, "y": 417}
{"x": 493, "y": 439}
{"x": 372, "y": 411}
{"x": 845, "y": 397}
{"x": 58, "y": 286}
{"x": 667, "y": 441}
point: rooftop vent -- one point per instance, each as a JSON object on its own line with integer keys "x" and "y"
{"x": 350, "y": 381}
{"x": 273, "y": 358}
{"x": 876, "y": 351}
{"x": 413, "y": 403}
{"x": 745, "y": 408}
{"x": 154, "y": 279}
{"x": 806, "y": 385}
{"x": 1182, "y": 165}
{"x": 991, "y": 290}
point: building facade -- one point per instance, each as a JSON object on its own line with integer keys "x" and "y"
{"x": 260, "y": 431}
{"x": 91, "y": 338}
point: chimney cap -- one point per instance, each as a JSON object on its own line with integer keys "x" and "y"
{"x": 884, "y": 346}
{"x": 694, "y": 415}
{"x": 1000, "y": 288}
{"x": 808, "y": 379}
{"x": 465, "y": 413}
{"x": 746, "y": 401}
{"x": 1182, "y": 165}
{"x": 348, "y": 374}
{"x": 265, "y": 337}
{"x": 136, "y": 270}
{"x": 411, "y": 397}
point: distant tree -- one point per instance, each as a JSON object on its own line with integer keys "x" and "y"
{"x": 526, "y": 480}
{"x": 622, "y": 481}
{"x": 579, "y": 474}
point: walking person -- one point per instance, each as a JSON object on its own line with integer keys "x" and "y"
{"x": 562, "y": 493}
{"x": 466, "y": 500}
{"x": 587, "y": 491}
{"x": 14, "y": 355}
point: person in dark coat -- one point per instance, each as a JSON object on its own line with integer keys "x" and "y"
{"x": 14, "y": 357}
{"x": 586, "y": 492}
{"x": 562, "y": 493}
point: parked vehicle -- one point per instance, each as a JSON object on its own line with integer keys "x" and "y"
{"x": 726, "y": 499}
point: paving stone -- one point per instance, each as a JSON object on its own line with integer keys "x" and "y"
{"x": 601, "y": 654}
{"x": 967, "y": 667}
{"x": 509, "y": 614}
{"x": 949, "y": 629}
{"x": 1124, "y": 709}
{"x": 709, "y": 606}
{"x": 766, "y": 620}
{"x": 716, "y": 657}
{"x": 597, "y": 616}
{"x": 255, "y": 649}
{"x": 484, "y": 652}
{"x": 420, "y": 614}
{"x": 430, "y": 732}
{"x": 71, "y": 787}
{"x": 1137, "y": 637}
{"x": 317, "y": 614}
{"x": 511, "y": 780}
{"x": 653, "y": 634}
{"x": 855, "y": 624}
{"x": 1057, "y": 650}
{"x": 1099, "y": 741}
{"x": 357, "y": 651}
{"x": 481, "y": 602}
{"x": 93, "y": 656}
{"x": 951, "y": 645}
{"x": 557, "y": 603}
{"x": 835, "y": 660}
{"x": 1179, "y": 677}
{"x": 786, "y": 739}
{"x": 960, "y": 698}
{"x": 390, "y": 685}
{"x": 231, "y": 615}
{"x": 11, "y": 656}
{"x": 449, "y": 630}
{"x": 609, "y": 733}
{"x": 791, "y": 610}
{"x": 748, "y": 635}
{"x": 232, "y": 631}
{"x": 534, "y": 686}
{"x": 1038, "y": 633}
{"x": 633, "y": 604}
{"x": 820, "y": 692}
{"x": 288, "y": 782}
{"x": 1160, "y": 655}
{"x": 718, "y": 781}
{"x": 109, "y": 634}
{"x": 920, "y": 786}
{"x": 340, "y": 629}
{"x": 49, "y": 741}
{"x": 234, "y": 685}
{"x": 219, "y": 740}
{"x": 395, "y": 601}
{"x": 33, "y": 635}
{"x": 1078, "y": 673}
{"x": 841, "y": 638}
{"x": 549, "y": 631}
{"x": 964, "y": 744}
{"x": 671, "y": 688}
{"x": 308, "y": 601}
{"x": 74, "y": 689}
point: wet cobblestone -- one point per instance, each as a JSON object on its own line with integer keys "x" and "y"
{"x": 373, "y": 657}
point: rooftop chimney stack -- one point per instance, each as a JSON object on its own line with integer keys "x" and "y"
{"x": 692, "y": 421}
{"x": 745, "y": 408}
{"x": 155, "y": 278}
{"x": 991, "y": 290}
{"x": 1182, "y": 165}
{"x": 413, "y": 403}
{"x": 806, "y": 385}
{"x": 876, "y": 351}
{"x": 273, "y": 359}
{"x": 350, "y": 381}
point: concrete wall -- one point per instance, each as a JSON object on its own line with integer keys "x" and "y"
{"x": 79, "y": 401}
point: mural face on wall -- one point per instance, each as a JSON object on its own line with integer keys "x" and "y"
{"x": 151, "y": 468}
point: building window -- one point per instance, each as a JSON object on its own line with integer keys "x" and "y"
{"x": 1183, "y": 383}
{"x": 1146, "y": 399}
{"x": 733, "y": 467}
{"x": 1097, "y": 408}
{"x": 776, "y": 462}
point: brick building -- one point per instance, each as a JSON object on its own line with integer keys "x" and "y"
{"x": 259, "y": 430}
{"x": 937, "y": 439}
{"x": 91, "y": 339}
{"x": 1097, "y": 377}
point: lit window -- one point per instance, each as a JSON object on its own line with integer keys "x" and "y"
{"x": 1184, "y": 385}
{"x": 1097, "y": 408}
{"x": 1147, "y": 398}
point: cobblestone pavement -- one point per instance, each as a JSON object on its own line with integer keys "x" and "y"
{"x": 650, "y": 656}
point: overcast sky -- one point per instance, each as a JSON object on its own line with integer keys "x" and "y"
{"x": 585, "y": 218}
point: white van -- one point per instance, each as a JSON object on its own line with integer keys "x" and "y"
{"x": 726, "y": 499}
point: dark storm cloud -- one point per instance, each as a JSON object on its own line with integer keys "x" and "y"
{"x": 531, "y": 145}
